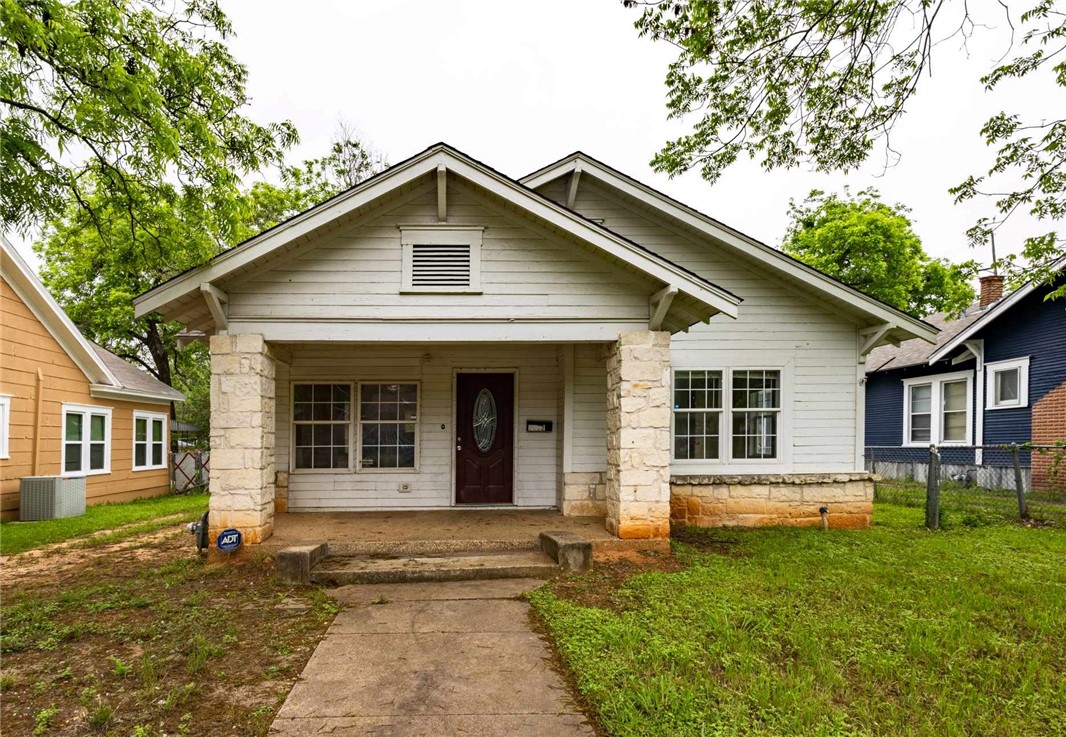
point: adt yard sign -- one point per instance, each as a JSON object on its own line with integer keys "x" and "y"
{"x": 229, "y": 540}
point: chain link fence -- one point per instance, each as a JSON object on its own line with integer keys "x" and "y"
{"x": 967, "y": 484}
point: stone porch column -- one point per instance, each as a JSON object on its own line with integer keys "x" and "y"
{"x": 638, "y": 436}
{"x": 242, "y": 436}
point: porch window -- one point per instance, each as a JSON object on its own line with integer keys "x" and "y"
{"x": 388, "y": 425}
{"x": 321, "y": 420}
{"x": 697, "y": 415}
{"x": 149, "y": 440}
{"x": 756, "y": 401}
{"x": 86, "y": 440}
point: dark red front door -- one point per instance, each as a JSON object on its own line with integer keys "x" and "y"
{"x": 484, "y": 439}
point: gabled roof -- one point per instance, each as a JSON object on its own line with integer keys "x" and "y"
{"x": 903, "y": 325}
{"x": 185, "y": 286}
{"x": 109, "y": 375}
{"x": 985, "y": 318}
{"x": 917, "y": 352}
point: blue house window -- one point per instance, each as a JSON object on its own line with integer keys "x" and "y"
{"x": 938, "y": 409}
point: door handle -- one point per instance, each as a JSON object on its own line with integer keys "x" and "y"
{"x": 458, "y": 447}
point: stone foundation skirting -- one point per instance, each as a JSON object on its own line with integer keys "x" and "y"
{"x": 771, "y": 499}
{"x": 585, "y": 494}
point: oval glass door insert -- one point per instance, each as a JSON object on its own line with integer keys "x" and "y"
{"x": 484, "y": 420}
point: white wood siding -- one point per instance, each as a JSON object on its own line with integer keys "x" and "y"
{"x": 590, "y": 409}
{"x": 526, "y": 274}
{"x": 777, "y": 327}
{"x": 536, "y": 455}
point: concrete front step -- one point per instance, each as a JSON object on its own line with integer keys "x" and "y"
{"x": 428, "y": 547}
{"x": 341, "y": 570}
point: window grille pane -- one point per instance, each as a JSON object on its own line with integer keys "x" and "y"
{"x": 921, "y": 428}
{"x": 141, "y": 429}
{"x": 1007, "y": 386}
{"x": 303, "y": 392}
{"x": 955, "y": 396}
{"x": 140, "y": 454}
{"x": 921, "y": 398}
{"x": 754, "y": 435}
{"x": 157, "y": 430}
{"x": 74, "y": 426}
{"x": 955, "y": 426}
{"x": 71, "y": 457}
{"x": 96, "y": 457}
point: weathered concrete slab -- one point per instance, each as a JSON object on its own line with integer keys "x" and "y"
{"x": 505, "y": 588}
{"x": 342, "y": 570}
{"x": 571, "y": 551}
{"x": 468, "y": 725}
{"x": 296, "y": 563}
{"x": 464, "y": 615}
{"x": 432, "y": 659}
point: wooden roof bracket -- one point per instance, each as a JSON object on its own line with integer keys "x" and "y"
{"x": 571, "y": 192}
{"x": 871, "y": 337}
{"x": 660, "y": 305}
{"x": 215, "y": 297}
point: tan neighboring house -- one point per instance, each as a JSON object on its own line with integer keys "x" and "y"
{"x": 69, "y": 407}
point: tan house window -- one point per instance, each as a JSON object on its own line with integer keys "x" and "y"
{"x": 149, "y": 441}
{"x": 86, "y": 440}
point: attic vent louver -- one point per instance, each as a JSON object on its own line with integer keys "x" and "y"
{"x": 441, "y": 258}
{"x": 440, "y": 266}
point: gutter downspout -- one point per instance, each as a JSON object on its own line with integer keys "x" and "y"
{"x": 38, "y": 412}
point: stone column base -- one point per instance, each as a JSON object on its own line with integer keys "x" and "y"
{"x": 585, "y": 494}
{"x": 281, "y": 492}
{"x": 792, "y": 500}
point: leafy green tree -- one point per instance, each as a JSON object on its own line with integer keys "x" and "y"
{"x": 823, "y": 84}
{"x": 120, "y": 105}
{"x": 870, "y": 245}
{"x": 95, "y": 266}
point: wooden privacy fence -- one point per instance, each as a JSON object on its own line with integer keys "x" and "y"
{"x": 191, "y": 470}
{"x": 1021, "y": 482}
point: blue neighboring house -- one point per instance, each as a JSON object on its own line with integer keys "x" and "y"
{"x": 997, "y": 375}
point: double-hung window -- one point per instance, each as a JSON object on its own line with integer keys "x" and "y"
{"x": 86, "y": 440}
{"x": 388, "y": 426}
{"x": 322, "y": 417}
{"x": 937, "y": 409}
{"x": 1007, "y": 384}
{"x": 718, "y": 412}
{"x": 149, "y": 440}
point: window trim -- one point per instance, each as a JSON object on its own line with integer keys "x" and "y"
{"x": 139, "y": 414}
{"x": 358, "y": 426}
{"x": 439, "y": 235}
{"x": 991, "y": 369}
{"x": 292, "y": 424}
{"x": 726, "y": 461}
{"x": 5, "y": 426}
{"x": 936, "y": 407}
{"x": 84, "y": 409}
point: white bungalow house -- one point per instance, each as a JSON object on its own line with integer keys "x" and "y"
{"x": 442, "y": 335}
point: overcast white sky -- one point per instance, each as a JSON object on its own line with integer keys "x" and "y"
{"x": 518, "y": 85}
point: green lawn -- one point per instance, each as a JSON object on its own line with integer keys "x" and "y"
{"x": 891, "y": 631}
{"x": 15, "y": 537}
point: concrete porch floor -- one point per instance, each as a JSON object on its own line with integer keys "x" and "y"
{"x": 431, "y": 531}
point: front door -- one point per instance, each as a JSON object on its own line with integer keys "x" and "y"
{"x": 484, "y": 439}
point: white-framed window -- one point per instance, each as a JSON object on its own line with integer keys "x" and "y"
{"x": 1007, "y": 384}
{"x": 697, "y": 415}
{"x": 440, "y": 258}
{"x": 938, "y": 409}
{"x": 5, "y": 426}
{"x": 388, "y": 426}
{"x": 734, "y": 413}
{"x": 321, "y": 425}
{"x": 86, "y": 440}
{"x": 149, "y": 440}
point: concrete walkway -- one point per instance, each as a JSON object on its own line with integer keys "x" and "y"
{"x": 453, "y": 658}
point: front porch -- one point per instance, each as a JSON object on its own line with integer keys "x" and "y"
{"x": 304, "y": 430}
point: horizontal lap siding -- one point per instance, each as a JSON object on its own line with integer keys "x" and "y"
{"x": 524, "y": 274}
{"x": 776, "y": 327}
{"x": 536, "y": 461}
{"x": 590, "y": 409}
{"x": 25, "y": 346}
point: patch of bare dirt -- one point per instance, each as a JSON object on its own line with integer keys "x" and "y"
{"x": 146, "y": 637}
{"x": 597, "y": 587}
